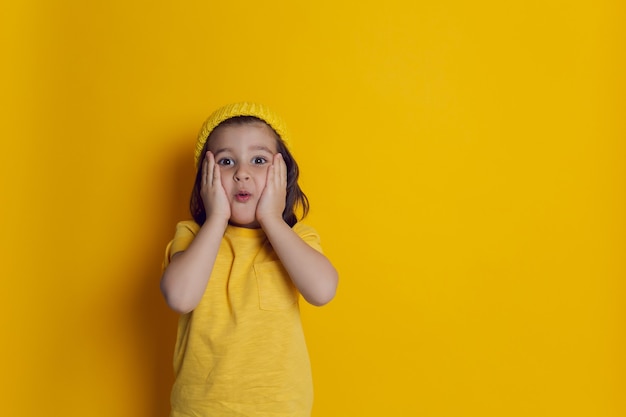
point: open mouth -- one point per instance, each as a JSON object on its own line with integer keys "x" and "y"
{"x": 242, "y": 196}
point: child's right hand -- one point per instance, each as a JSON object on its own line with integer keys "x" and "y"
{"x": 212, "y": 191}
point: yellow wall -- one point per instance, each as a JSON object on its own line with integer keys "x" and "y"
{"x": 465, "y": 163}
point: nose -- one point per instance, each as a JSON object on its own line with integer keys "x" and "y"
{"x": 241, "y": 175}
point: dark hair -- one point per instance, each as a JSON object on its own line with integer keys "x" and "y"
{"x": 295, "y": 196}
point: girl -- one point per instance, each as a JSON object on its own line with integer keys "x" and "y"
{"x": 235, "y": 271}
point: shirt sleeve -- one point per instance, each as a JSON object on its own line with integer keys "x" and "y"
{"x": 309, "y": 235}
{"x": 186, "y": 231}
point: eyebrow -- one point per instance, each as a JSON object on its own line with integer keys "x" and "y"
{"x": 254, "y": 148}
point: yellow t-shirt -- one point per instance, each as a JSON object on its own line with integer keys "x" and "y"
{"x": 242, "y": 352}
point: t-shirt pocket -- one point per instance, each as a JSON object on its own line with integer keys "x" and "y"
{"x": 276, "y": 292}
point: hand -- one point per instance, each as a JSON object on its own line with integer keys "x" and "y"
{"x": 212, "y": 191}
{"x": 272, "y": 202}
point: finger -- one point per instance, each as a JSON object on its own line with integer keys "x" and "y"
{"x": 210, "y": 167}
{"x": 283, "y": 170}
{"x": 205, "y": 168}
{"x": 279, "y": 170}
{"x": 271, "y": 172}
{"x": 217, "y": 174}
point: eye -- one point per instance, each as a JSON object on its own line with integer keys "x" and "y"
{"x": 226, "y": 162}
{"x": 259, "y": 160}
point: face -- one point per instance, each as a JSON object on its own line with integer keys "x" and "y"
{"x": 244, "y": 154}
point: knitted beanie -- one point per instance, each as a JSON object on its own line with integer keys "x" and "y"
{"x": 239, "y": 109}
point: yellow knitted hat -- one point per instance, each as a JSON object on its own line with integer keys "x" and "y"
{"x": 240, "y": 109}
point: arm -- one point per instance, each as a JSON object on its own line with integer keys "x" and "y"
{"x": 185, "y": 279}
{"x": 310, "y": 271}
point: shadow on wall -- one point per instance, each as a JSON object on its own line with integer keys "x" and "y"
{"x": 156, "y": 323}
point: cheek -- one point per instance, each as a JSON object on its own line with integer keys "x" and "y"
{"x": 225, "y": 180}
{"x": 261, "y": 178}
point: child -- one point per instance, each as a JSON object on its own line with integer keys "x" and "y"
{"x": 234, "y": 273}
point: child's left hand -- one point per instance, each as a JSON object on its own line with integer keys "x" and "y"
{"x": 272, "y": 202}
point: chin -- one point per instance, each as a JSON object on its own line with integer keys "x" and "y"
{"x": 247, "y": 223}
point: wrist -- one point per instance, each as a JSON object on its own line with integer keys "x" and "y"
{"x": 268, "y": 222}
{"x": 217, "y": 221}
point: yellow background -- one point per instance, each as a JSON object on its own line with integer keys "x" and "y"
{"x": 466, "y": 167}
